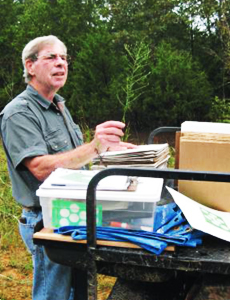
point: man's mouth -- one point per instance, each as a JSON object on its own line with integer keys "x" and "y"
{"x": 59, "y": 74}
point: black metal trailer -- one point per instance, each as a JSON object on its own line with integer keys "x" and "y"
{"x": 143, "y": 275}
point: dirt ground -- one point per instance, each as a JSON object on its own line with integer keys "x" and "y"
{"x": 16, "y": 275}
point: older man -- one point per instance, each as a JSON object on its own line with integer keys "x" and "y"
{"x": 39, "y": 136}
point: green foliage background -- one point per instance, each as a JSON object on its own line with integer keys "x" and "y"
{"x": 188, "y": 68}
{"x": 189, "y": 64}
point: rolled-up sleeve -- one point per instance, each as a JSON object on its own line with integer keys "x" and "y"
{"x": 23, "y": 137}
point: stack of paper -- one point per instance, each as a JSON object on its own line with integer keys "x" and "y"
{"x": 79, "y": 180}
{"x": 154, "y": 155}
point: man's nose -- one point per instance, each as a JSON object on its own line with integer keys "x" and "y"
{"x": 59, "y": 60}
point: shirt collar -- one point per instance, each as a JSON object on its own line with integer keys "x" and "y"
{"x": 41, "y": 100}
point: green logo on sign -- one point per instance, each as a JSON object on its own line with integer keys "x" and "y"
{"x": 214, "y": 219}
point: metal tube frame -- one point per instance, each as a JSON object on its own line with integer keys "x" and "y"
{"x": 139, "y": 172}
{"x": 160, "y": 130}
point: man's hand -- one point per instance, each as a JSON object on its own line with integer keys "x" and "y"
{"x": 122, "y": 146}
{"x": 108, "y": 137}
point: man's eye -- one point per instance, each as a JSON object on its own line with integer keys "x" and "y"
{"x": 51, "y": 56}
{"x": 63, "y": 57}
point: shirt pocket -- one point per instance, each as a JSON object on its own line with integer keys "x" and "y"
{"x": 78, "y": 133}
{"x": 56, "y": 141}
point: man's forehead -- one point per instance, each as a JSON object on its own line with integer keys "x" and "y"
{"x": 54, "y": 48}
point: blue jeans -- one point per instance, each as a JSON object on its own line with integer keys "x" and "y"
{"x": 50, "y": 281}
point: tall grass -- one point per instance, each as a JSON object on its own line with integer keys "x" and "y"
{"x": 9, "y": 209}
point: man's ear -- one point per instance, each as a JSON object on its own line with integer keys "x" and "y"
{"x": 29, "y": 64}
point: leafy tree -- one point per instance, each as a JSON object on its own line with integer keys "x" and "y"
{"x": 10, "y": 67}
{"x": 94, "y": 69}
{"x": 179, "y": 89}
{"x": 224, "y": 35}
{"x": 220, "y": 110}
{"x": 189, "y": 64}
{"x": 135, "y": 20}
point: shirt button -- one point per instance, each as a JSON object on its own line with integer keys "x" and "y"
{"x": 55, "y": 146}
{"x": 58, "y": 114}
{"x": 65, "y": 142}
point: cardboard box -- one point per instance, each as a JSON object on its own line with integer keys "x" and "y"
{"x": 206, "y": 152}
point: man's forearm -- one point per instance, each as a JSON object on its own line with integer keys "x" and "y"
{"x": 107, "y": 136}
{"x": 42, "y": 166}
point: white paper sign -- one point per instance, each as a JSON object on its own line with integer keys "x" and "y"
{"x": 203, "y": 218}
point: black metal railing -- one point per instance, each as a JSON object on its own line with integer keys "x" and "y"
{"x": 139, "y": 172}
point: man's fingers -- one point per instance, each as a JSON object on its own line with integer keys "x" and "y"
{"x": 110, "y": 131}
{"x": 108, "y": 134}
{"x": 107, "y": 124}
{"x": 128, "y": 145}
{"x": 104, "y": 138}
{"x": 122, "y": 146}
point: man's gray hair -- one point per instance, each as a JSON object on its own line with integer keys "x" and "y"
{"x": 33, "y": 47}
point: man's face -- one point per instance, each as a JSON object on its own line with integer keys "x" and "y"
{"x": 49, "y": 71}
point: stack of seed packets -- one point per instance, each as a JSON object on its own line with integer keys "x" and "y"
{"x": 153, "y": 155}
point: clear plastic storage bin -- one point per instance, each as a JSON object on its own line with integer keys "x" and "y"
{"x": 119, "y": 208}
